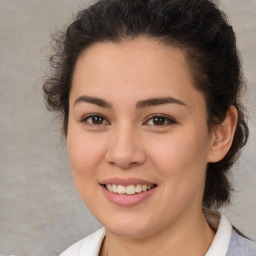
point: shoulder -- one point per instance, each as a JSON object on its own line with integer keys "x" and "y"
{"x": 228, "y": 241}
{"x": 89, "y": 246}
{"x": 240, "y": 245}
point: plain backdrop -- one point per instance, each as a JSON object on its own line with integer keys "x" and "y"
{"x": 40, "y": 210}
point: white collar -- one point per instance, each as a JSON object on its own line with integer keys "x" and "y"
{"x": 223, "y": 228}
{"x": 90, "y": 246}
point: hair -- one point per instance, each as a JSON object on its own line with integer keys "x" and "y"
{"x": 198, "y": 28}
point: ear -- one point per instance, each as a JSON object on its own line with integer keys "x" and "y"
{"x": 222, "y": 136}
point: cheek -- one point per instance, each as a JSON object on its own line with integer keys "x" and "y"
{"x": 181, "y": 160}
{"x": 85, "y": 154}
{"x": 179, "y": 150}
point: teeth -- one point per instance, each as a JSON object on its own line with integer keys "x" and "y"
{"x": 109, "y": 187}
{"x": 138, "y": 189}
{"x": 114, "y": 188}
{"x": 129, "y": 190}
{"x": 121, "y": 189}
{"x": 144, "y": 188}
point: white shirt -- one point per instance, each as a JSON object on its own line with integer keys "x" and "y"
{"x": 225, "y": 236}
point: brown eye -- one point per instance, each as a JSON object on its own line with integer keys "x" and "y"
{"x": 97, "y": 120}
{"x": 160, "y": 120}
{"x": 94, "y": 120}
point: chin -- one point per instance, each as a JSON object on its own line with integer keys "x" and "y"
{"x": 130, "y": 229}
{"x": 135, "y": 232}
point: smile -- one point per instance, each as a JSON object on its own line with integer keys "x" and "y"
{"x": 128, "y": 190}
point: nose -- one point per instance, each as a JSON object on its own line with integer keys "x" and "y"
{"x": 125, "y": 150}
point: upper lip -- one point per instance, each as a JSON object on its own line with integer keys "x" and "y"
{"x": 126, "y": 182}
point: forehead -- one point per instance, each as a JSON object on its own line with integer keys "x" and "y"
{"x": 134, "y": 68}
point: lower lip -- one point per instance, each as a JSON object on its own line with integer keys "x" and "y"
{"x": 127, "y": 200}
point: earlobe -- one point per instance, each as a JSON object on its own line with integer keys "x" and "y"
{"x": 222, "y": 136}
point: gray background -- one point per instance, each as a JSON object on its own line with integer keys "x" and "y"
{"x": 40, "y": 210}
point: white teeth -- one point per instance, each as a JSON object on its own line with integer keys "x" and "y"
{"x": 109, "y": 187}
{"x": 138, "y": 189}
{"x": 144, "y": 188}
{"x": 114, "y": 188}
{"x": 129, "y": 190}
{"x": 121, "y": 189}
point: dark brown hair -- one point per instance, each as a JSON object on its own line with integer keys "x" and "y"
{"x": 198, "y": 28}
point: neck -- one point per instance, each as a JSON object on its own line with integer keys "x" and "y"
{"x": 193, "y": 235}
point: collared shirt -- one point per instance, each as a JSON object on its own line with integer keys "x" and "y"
{"x": 227, "y": 242}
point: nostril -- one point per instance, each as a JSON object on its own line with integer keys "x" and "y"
{"x": 124, "y": 156}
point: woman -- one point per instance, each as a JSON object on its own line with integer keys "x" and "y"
{"x": 148, "y": 91}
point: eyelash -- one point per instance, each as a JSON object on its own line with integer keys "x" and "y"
{"x": 85, "y": 119}
{"x": 167, "y": 119}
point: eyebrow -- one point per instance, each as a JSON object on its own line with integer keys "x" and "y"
{"x": 93, "y": 100}
{"x": 159, "y": 101}
{"x": 140, "y": 104}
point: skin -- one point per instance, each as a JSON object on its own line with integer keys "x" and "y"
{"x": 128, "y": 143}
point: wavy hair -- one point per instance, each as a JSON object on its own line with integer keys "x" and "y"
{"x": 198, "y": 28}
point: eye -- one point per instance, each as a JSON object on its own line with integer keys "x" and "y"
{"x": 94, "y": 120}
{"x": 160, "y": 120}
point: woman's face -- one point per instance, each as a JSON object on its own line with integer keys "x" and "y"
{"x": 137, "y": 123}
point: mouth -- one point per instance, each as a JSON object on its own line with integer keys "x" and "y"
{"x": 128, "y": 190}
